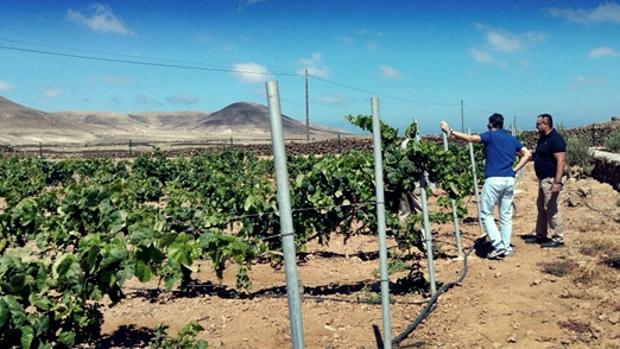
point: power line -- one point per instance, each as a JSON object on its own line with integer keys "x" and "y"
{"x": 134, "y": 57}
{"x": 194, "y": 66}
{"x": 152, "y": 64}
{"x": 383, "y": 95}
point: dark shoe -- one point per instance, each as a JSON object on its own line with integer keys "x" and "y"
{"x": 533, "y": 239}
{"x": 552, "y": 244}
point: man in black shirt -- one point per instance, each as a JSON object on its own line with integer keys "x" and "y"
{"x": 549, "y": 162}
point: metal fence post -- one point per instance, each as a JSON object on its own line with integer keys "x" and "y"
{"x": 428, "y": 237}
{"x": 417, "y": 134}
{"x": 286, "y": 218}
{"x": 385, "y": 277}
{"x": 427, "y": 234}
{"x": 40, "y": 150}
{"x": 472, "y": 159}
{"x": 455, "y": 216}
{"x": 130, "y": 147}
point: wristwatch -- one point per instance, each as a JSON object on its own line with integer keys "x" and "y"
{"x": 450, "y": 131}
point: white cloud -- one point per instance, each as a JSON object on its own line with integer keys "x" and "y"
{"x": 525, "y": 64}
{"x": 605, "y": 12}
{"x": 503, "y": 42}
{"x": 507, "y": 42}
{"x": 390, "y": 73}
{"x": 116, "y": 80}
{"x": 5, "y": 86}
{"x": 582, "y": 82}
{"x": 203, "y": 38}
{"x": 215, "y": 42}
{"x": 369, "y": 39}
{"x": 372, "y": 45}
{"x": 142, "y": 99}
{"x": 247, "y": 3}
{"x": 251, "y": 72}
{"x": 100, "y": 19}
{"x": 186, "y": 99}
{"x": 346, "y": 40}
{"x": 481, "y": 56}
{"x": 602, "y": 52}
{"x": 484, "y": 57}
{"x": 314, "y": 65}
{"x": 331, "y": 100}
{"x": 51, "y": 93}
{"x": 535, "y": 37}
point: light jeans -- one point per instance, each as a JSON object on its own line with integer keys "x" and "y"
{"x": 498, "y": 190}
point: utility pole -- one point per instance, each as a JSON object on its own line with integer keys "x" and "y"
{"x": 462, "y": 118}
{"x": 514, "y": 122}
{"x": 307, "y": 109}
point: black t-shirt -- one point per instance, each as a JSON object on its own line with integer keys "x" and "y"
{"x": 544, "y": 161}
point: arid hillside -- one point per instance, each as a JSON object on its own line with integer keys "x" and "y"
{"x": 23, "y": 125}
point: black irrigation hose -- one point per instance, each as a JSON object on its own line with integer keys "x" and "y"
{"x": 431, "y": 303}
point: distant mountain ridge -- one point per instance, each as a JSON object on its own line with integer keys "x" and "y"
{"x": 24, "y": 125}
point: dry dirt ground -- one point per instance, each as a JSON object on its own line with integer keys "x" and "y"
{"x": 559, "y": 298}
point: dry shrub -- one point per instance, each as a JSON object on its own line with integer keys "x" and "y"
{"x": 612, "y": 259}
{"x": 613, "y": 142}
{"x": 608, "y": 250}
{"x": 578, "y": 154}
{"x": 575, "y": 326}
{"x": 596, "y": 247}
{"x": 610, "y": 304}
{"x": 587, "y": 276}
{"x": 558, "y": 268}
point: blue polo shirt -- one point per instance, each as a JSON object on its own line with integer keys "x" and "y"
{"x": 500, "y": 148}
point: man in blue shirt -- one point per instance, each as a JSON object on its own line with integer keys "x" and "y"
{"x": 500, "y": 148}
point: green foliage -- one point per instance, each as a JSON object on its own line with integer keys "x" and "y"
{"x": 578, "y": 154}
{"x": 73, "y": 231}
{"x": 388, "y": 134}
{"x": 613, "y": 142}
{"x": 48, "y": 302}
{"x": 405, "y": 170}
{"x": 185, "y": 339}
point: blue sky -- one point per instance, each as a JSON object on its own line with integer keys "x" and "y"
{"x": 421, "y": 57}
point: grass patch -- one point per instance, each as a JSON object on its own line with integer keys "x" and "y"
{"x": 558, "y": 268}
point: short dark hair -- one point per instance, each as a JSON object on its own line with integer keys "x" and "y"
{"x": 548, "y": 117}
{"x": 496, "y": 120}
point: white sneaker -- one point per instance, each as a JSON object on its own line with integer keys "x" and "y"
{"x": 496, "y": 254}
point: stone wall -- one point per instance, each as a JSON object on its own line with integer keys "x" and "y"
{"x": 607, "y": 168}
